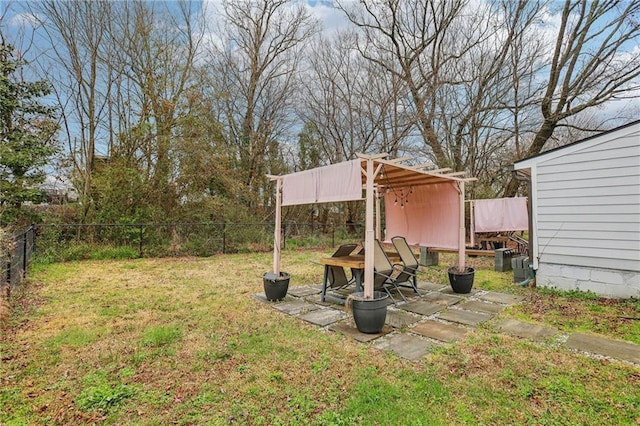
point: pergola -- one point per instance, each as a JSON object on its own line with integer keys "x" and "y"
{"x": 378, "y": 176}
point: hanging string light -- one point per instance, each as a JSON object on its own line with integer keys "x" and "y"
{"x": 402, "y": 196}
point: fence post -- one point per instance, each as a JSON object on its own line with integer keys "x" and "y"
{"x": 24, "y": 252}
{"x": 140, "y": 242}
{"x": 224, "y": 238}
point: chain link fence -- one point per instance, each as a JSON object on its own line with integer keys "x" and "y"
{"x": 74, "y": 241}
{"x": 15, "y": 256}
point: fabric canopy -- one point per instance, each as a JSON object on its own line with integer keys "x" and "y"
{"x": 425, "y": 215}
{"x": 336, "y": 182}
{"x": 501, "y": 214}
{"x": 433, "y": 213}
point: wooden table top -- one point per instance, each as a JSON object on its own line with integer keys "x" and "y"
{"x": 354, "y": 261}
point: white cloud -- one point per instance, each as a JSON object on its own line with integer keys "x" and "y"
{"x": 20, "y": 20}
{"x": 331, "y": 18}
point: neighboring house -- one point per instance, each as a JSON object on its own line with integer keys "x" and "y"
{"x": 58, "y": 190}
{"x": 585, "y": 203}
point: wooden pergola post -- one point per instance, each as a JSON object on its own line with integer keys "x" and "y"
{"x": 461, "y": 234}
{"x": 277, "y": 233}
{"x": 378, "y": 215}
{"x": 369, "y": 235}
{"x": 472, "y": 229}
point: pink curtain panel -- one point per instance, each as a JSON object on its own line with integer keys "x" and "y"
{"x": 501, "y": 214}
{"x": 429, "y": 218}
{"x": 336, "y": 182}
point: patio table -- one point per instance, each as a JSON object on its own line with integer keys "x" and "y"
{"x": 354, "y": 262}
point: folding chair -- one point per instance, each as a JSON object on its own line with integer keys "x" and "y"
{"x": 409, "y": 272}
{"x": 383, "y": 272}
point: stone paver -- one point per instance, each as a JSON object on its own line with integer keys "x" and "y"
{"x": 262, "y": 298}
{"x": 407, "y": 292}
{"x": 422, "y": 307}
{"x": 408, "y": 346}
{"x": 506, "y": 299}
{"x": 527, "y": 330}
{"x": 425, "y": 286}
{"x": 625, "y": 351}
{"x": 295, "y": 307}
{"x": 315, "y": 298}
{"x": 304, "y": 290}
{"x": 480, "y": 306}
{"x": 349, "y": 329}
{"x": 449, "y": 290}
{"x": 440, "y": 331}
{"x": 399, "y": 319}
{"x": 323, "y": 317}
{"x": 442, "y": 298}
{"x": 450, "y": 309}
{"x": 464, "y": 317}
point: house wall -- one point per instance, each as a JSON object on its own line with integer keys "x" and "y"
{"x": 587, "y": 204}
{"x": 604, "y": 282}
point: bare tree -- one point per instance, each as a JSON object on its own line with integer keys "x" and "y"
{"x": 76, "y": 33}
{"x": 348, "y": 106}
{"x": 482, "y": 108}
{"x": 157, "y": 47}
{"x": 454, "y": 60}
{"x": 475, "y": 72}
{"x": 594, "y": 60}
{"x": 352, "y": 106}
{"x": 255, "y": 65}
{"x": 121, "y": 70}
{"x": 412, "y": 42}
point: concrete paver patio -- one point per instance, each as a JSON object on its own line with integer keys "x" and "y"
{"x": 438, "y": 317}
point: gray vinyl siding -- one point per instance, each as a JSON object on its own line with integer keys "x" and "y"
{"x": 588, "y": 205}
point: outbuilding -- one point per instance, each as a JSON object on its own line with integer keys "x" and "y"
{"x": 585, "y": 213}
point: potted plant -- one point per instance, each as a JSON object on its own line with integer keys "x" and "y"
{"x": 461, "y": 279}
{"x": 275, "y": 285}
{"x": 369, "y": 314}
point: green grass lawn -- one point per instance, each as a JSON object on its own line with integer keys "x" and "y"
{"x": 182, "y": 341}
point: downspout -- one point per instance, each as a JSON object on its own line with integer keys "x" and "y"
{"x": 531, "y": 277}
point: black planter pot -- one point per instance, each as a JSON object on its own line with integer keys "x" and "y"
{"x": 369, "y": 314}
{"x": 461, "y": 282}
{"x": 275, "y": 287}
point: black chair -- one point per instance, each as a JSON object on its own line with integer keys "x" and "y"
{"x": 409, "y": 272}
{"x": 383, "y": 272}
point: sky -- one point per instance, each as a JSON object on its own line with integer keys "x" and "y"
{"x": 330, "y": 18}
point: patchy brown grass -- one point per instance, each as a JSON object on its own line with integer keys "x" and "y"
{"x": 160, "y": 341}
{"x": 583, "y": 312}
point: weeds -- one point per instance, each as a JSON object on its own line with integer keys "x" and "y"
{"x": 99, "y": 394}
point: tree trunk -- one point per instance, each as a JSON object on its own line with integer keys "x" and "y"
{"x": 542, "y": 136}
